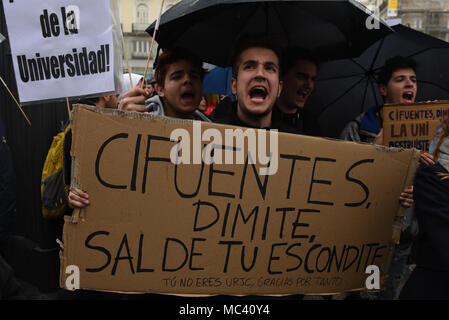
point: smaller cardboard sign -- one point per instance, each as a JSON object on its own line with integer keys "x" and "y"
{"x": 413, "y": 125}
{"x": 61, "y": 48}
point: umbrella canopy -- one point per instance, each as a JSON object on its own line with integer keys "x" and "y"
{"x": 218, "y": 81}
{"x": 346, "y": 88}
{"x": 330, "y": 29}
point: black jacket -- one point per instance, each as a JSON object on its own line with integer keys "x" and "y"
{"x": 303, "y": 121}
{"x": 430, "y": 279}
{"x": 7, "y": 188}
{"x": 431, "y": 196}
{"x": 226, "y": 113}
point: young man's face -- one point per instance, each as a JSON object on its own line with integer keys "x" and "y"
{"x": 182, "y": 89}
{"x": 203, "y": 105}
{"x": 150, "y": 89}
{"x": 257, "y": 85}
{"x": 299, "y": 82}
{"x": 401, "y": 87}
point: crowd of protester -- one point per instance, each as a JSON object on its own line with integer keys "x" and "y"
{"x": 270, "y": 89}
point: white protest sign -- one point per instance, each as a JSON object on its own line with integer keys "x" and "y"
{"x": 61, "y": 48}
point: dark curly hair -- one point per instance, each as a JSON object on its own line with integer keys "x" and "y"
{"x": 251, "y": 41}
{"x": 393, "y": 64}
{"x": 173, "y": 55}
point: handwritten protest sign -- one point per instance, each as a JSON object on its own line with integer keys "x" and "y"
{"x": 60, "y": 48}
{"x": 413, "y": 125}
{"x": 330, "y": 210}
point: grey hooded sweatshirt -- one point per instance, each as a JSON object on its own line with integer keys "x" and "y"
{"x": 154, "y": 106}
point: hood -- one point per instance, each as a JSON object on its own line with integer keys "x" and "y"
{"x": 155, "y": 106}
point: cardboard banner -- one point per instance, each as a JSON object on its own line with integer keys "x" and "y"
{"x": 61, "y": 48}
{"x": 314, "y": 225}
{"x": 412, "y": 125}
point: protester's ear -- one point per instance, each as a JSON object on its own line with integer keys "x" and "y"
{"x": 234, "y": 85}
{"x": 159, "y": 90}
{"x": 383, "y": 90}
{"x": 281, "y": 85}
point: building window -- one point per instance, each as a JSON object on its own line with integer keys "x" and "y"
{"x": 417, "y": 23}
{"x": 434, "y": 18}
{"x": 142, "y": 13}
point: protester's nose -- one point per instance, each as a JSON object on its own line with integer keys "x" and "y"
{"x": 260, "y": 69}
{"x": 260, "y": 72}
{"x": 410, "y": 83}
{"x": 187, "y": 78}
{"x": 309, "y": 83}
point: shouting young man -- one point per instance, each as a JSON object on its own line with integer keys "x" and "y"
{"x": 257, "y": 85}
{"x": 397, "y": 84}
{"x": 299, "y": 71}
{"x": 179, "y": 83}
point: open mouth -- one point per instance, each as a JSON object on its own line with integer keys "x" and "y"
{"x": 303, "y": 94}
{"x": 188, "y": 96}
{"x": 258, "y": 94}
{"x": 407, "y": 96}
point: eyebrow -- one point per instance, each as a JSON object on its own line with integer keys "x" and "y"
{"x": 176, "y": 72}
{"x": 404, "y": 76}
{"x": 270, "y": 63}
{"x": 181, "y": 71}
{"x": 306, "y": 74}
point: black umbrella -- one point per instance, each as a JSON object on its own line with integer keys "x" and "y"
{"x": 331, "y": 29}
{"x": 345, "y": 88}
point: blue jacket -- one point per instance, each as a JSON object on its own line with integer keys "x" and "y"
{"x": 365, "y": 127}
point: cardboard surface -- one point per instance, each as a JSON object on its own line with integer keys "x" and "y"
{"x": 412, "y": 125}
{"x": 313, "y": 227}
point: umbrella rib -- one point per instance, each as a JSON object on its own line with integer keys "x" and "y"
{"x": 374, "y": 94}
{"x": 341, "y": 77}
{"x": 265, "y": 6}
{"x": 426, "y": 49}
{"x": 282, "y": 24}
{"x": 242, "y": 28}
{"x": 364, "y": 96}
{"x": 359, "y": 65}
{"x": 339, "y": 97}
{"x": 349, "y": 75}
{"x": 436, "y": 85}
{"x": 377, "y": 53}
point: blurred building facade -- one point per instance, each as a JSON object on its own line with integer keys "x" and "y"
{"x": 135, "y": 17}
{"x": 428, "y": 16}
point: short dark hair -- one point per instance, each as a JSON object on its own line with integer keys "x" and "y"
{"x": 293, "y": 54}
{"x": 173, "y": 55}
{"x": 247, "y": 41}
{"x": 393, "y": 64}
